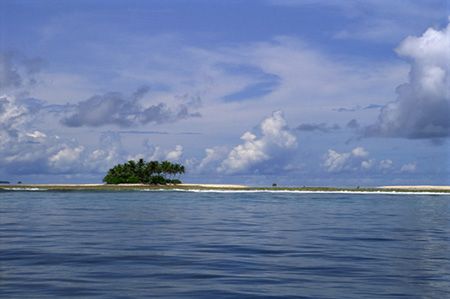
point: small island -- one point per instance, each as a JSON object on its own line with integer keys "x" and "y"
{"x": 142, "y": 172}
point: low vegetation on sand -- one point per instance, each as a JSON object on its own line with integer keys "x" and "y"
{"x": 142, "y": 172}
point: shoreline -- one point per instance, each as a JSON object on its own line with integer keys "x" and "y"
{"x": 417, "y": 187}
{"x": 225, "y": 187}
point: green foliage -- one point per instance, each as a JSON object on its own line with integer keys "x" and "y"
{"x": 158, "y": 180}
{"x": 153, "y": 172}
{"x": 174, "y": 181}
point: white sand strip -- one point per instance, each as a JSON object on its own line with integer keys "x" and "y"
{"x": 213, "y": 185}
{"x": 423, "y": 187}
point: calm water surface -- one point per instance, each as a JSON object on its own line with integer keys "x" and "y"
{"x": 223, "y": 245}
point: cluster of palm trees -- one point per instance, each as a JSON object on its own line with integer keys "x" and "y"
{"x": 153, "y": 172}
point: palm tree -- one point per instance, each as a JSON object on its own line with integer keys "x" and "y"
{"x": 180, "y": 169}
{"x": 152, "y": 167}
{"x": 142, "y": 172}
{"x": 166, "y": 167}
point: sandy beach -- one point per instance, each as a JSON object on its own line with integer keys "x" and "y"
{"x": 418, "y": 187}
{"x": 138, "y": 185}
{"x": 214, "y": 185}
{"x": 118, "y": 186}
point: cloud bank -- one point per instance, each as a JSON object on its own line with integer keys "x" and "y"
{"x": 422, "y": 109}
{"x": 321, "y": 127}
{"x": 24, "y": 149}
{"x": 114, "y": 108}
{"x": 359, "y": 160}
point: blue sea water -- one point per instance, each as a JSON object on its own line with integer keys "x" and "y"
{"x": 223, "y": 245}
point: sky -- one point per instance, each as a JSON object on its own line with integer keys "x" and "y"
{"x": 293, "y": 92}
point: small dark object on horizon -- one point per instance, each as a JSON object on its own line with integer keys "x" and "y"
{"x": 274, "y": 185}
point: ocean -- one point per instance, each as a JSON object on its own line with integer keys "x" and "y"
{"x": 168, "y": 244}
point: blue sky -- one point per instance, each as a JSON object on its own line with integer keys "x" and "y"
{"x": 293, "y": 92}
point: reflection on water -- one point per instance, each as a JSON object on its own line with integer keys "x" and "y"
{"x": 219, "y": 245}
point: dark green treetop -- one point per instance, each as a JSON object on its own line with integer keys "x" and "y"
{"x": 142, "y": 172}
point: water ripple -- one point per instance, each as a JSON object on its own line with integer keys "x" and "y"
{"x": 223, "y": 245}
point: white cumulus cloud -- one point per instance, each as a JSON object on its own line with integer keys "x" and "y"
{"x": 385, "y": 164}
{"x": 213, "y": 156}
{"x": 356, "y": 159}
{"x": 153, "y": 153}
{"x": 409, "y": 167}
{"x": 66, "y": 158}
{"x": 272, "y": 146}
{"x": 422, "y": 109}
{"x": 175, "y": 154}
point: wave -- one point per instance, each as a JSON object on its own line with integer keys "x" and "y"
{"x": 297, "y": 191}
{"x": 24, "y": 189}
{"x": 255, "y": 191}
